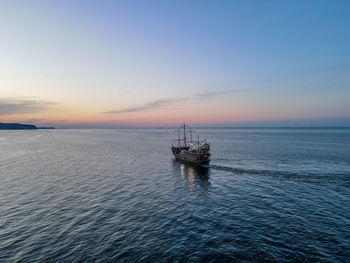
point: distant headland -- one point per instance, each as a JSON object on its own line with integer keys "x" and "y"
{"x": 20, "y": 126}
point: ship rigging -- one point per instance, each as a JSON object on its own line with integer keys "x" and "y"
{"x": 189, "y": 150}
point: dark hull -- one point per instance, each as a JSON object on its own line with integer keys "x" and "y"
{"x": 187, "y": 159}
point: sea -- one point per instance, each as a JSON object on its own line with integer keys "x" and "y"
{"x": 118, "y": 195}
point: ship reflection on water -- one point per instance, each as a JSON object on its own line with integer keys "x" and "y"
{"x": 195, "y": 175}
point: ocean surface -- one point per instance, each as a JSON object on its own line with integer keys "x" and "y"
{"x": 269, "y": 195}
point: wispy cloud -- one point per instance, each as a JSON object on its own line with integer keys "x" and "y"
{"x": 160, "y": 103}
{"x": 165, "y": 102}
{"x": 11, "y": 106}
{"x": 220, "y": 92}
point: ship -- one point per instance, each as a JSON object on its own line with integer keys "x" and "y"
{"x": 187, "y": 150}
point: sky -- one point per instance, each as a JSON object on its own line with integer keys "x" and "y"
{"x": 109, "y": 64}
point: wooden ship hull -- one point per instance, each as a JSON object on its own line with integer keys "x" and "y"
{"x": 194, "y": 158}
{"x": 190, "y": 151}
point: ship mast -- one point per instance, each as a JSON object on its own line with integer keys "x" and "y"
{"x": 185, "y": 134}
{"x": 191, "y": 133}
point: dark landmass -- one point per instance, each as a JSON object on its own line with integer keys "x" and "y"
{"x": 17, "y": 126}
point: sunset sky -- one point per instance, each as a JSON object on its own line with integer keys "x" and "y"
{"x": 161, "y": 63}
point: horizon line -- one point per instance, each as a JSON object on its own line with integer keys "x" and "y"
{"x": 205, "y": 127}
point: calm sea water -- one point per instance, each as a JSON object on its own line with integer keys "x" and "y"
{"x": 278, "y": 195}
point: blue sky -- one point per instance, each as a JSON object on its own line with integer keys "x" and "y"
{"x": 95, "y": 62}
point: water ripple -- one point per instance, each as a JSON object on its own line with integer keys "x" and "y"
{"x": 102, "y": 196}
